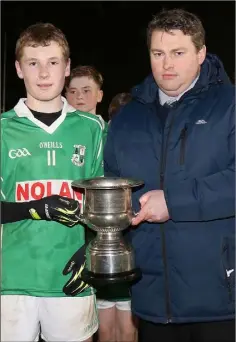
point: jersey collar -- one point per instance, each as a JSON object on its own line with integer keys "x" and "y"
{"x": 23, "y": 111}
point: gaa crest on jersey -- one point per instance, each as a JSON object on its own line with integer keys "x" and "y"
{"x": 78, "y": 155}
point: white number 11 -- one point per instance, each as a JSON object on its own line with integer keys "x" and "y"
{"x": 51, "y": 157}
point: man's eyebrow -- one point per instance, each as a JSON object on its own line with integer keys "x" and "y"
{"x": 178, "y": 49}
{"x": 173, "y": 50}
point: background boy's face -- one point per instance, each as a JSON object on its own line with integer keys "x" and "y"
{"x": 84, "y": 94}
{"x": 43, "y": 69}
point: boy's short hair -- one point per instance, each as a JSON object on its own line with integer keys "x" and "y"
{"x": 117, "y": 101}
{"x": 41, "y": 34}
{"x": 85, "y": 71}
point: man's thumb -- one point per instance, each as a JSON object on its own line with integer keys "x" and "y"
{"x": 143, "y": 199}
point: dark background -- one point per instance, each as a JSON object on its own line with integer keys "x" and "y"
{"x": 111, "y": 36}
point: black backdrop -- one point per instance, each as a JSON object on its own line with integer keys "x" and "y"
{"x": 111, "y": 36}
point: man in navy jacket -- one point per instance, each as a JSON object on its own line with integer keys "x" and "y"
{"x": 177, "y": 134}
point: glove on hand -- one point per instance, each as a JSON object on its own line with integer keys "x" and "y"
{"x": 55, "y": 208}
{"x": 75, "y": 265}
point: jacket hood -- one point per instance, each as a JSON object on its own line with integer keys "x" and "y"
{"x": 212, "y": 72}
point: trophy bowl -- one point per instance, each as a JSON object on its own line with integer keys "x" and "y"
{"x": 108, "y": 211}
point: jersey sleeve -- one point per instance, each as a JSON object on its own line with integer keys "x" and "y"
{"x": 3, "y": 197}
{"x": 98, "y": 168}
{"x": 104, "y": 127}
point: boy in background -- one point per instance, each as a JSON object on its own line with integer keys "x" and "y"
{"x": 116, "y": 323}
{"x": 84, "y": 89}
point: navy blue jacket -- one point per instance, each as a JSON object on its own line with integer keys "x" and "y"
{"x": 187, "y": 262}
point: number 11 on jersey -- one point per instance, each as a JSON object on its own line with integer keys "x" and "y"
{"x": 51, "y": 157}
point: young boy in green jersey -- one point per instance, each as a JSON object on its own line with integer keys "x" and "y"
{"x": 46, "y": 144}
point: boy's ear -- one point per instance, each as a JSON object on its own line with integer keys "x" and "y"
{"x": 100, "y": 96}
{"x": 67, "y": 71}
{"x": 18, "y": 70}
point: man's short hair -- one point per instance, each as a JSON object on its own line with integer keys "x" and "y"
{"x": 178, "y": 19}
{"x": 41, "y": 34}
{"x": 85, "y": 71}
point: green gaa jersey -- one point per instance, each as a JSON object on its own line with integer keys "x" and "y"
{"x": 39, "y": 161}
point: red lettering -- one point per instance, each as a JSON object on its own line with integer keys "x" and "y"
{"x": 22, "y": 193}
{"x": 65, "y": 190}
{"x": 77, "y": 195}
{"x": 37, "y": 194}
{"x": 49, "y": 188}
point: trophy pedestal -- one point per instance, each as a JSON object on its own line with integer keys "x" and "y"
{"x": 98, "y": 280}
{"x": 110, "y": 260}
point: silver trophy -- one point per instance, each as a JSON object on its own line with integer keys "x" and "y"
{"x": 108, "y": 211}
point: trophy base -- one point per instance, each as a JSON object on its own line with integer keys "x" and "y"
{"x": 101, "y": 279}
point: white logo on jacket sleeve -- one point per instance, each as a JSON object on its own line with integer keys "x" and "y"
{"x": 18, "y": 153}
{"x": 228, "y": 272}
{"x": 78, "y": 156}
{"x": 200, "y": 122}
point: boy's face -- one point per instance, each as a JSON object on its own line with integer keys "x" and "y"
{"x": 84, "y": 94}
{"x": 43, "y": 69}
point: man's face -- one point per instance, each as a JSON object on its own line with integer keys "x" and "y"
{"x": 175, "y": 62}
{"x": 43, "y": 69}
{"x": 84, "y": 94}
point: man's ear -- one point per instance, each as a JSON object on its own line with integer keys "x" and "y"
{"x": 202, "y": 54}
{"x": 18, "y": 70}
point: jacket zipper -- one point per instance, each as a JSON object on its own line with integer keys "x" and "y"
{"x": 162, "y": 179}
{"x": 183, "y": 137}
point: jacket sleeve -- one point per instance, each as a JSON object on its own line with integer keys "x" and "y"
{"x": 207, "y": 198}
{"x": 110, "y": 163}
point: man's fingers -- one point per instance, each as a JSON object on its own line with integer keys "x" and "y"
{"x": 140, "y": 217}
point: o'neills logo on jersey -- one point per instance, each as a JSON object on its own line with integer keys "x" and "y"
{"x": 35, "y": 190}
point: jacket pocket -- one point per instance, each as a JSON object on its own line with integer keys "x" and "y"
{"x": 228, "y": 261}
{"x": 183, "y": 137}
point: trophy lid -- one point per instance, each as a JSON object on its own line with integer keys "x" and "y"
{"x": 106, "y": 183}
